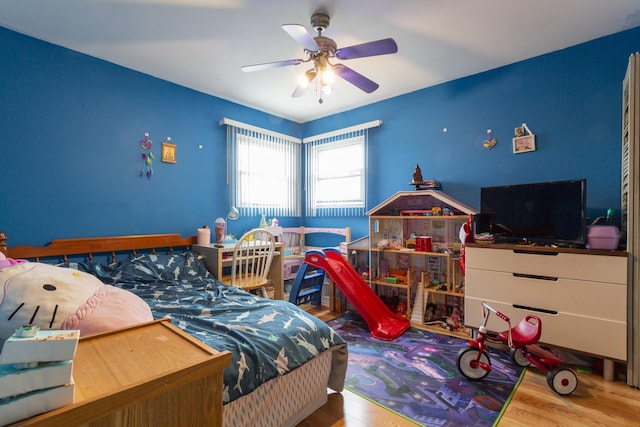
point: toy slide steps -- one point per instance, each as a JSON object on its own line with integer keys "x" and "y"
{"x": 383, "y": 323}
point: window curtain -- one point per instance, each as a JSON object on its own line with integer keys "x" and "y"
{"x": 309, "y": 143}
{"x": 256, "y": 157}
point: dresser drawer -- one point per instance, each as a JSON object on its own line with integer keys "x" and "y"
{"x": 569, "y": 296}
{"x": 592, "y": 335}
{"x": 582, "y": 266}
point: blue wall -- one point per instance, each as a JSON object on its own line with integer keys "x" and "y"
{"x": 70, "y": 126}
{"x": 70, "y": 158}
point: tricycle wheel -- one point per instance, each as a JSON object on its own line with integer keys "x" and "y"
{"x": 517, "y": 354}
{"x": 562, "y": 380}
{"x": 469, "y": 366}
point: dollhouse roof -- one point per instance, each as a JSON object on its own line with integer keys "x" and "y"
{"x": 420, "y": 200}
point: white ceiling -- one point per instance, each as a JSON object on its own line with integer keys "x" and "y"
{"x": 201, "y": 44}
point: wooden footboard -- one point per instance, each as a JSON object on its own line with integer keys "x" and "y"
{"x": 90, "y": 246}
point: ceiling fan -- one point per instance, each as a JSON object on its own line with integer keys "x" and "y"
{"x": 320, "y": 50}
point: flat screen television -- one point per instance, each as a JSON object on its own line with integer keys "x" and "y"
{"x": 545, "y": 213}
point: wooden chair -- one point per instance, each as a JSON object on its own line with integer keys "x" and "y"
{"x": 252, "y": 257}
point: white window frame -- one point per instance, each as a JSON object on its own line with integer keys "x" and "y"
{"x": 327, "y": 173}
{"x": 337, "y": 140}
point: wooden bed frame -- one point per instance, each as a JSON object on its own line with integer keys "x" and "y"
{"x": 90, "y": 246}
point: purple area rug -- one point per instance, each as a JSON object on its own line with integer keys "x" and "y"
{"x": 416, "y": 376}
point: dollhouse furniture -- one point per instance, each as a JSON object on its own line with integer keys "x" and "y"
{"x": 580, "y": 295}
{"x": 297, "y": 241}
{"x": 148, "y": 374}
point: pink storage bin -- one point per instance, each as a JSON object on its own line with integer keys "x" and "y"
{"x": 603, "y": 237}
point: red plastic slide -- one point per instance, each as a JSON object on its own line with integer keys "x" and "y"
{"x": 383, "y": 323}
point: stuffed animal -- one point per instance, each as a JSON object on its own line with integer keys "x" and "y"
{"x": 51, "y": 297}
{"x": 8, "y": 262}
{"x": 383, "y": 244}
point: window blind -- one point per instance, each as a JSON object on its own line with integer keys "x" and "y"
{"x": 263, "y": 170}
{"x": 336, "y": 171}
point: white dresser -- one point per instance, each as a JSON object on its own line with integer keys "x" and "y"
{"x": 580, "y": 295}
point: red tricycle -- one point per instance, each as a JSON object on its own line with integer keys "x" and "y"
{"x": 522, "y": 339}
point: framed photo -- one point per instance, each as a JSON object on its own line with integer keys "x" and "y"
{"x": 524, "y": 144}
{"x": 518, "y": 132}
{"x": 168, "y": 152}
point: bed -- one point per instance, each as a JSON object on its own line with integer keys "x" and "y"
{"x": 283, "y": 359}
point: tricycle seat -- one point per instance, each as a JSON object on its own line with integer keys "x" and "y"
{"x": 525, "y": 333}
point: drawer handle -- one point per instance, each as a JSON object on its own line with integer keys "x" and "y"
{"x": 539, "y": 310}
{"x": 524, "y": 251}
{"x": 535, "y": 276}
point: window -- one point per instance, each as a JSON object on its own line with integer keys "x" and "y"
{"x": 263, "y": 171}
{"x": 336, "y": 172}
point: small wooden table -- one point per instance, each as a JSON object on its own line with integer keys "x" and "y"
{"x": 216, "y": 258}
{"x": 151, "y": 374}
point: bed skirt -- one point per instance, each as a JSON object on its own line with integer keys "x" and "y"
{"x": 287, "y": 400}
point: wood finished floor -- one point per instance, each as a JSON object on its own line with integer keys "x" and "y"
{"x": 595, "y": 402}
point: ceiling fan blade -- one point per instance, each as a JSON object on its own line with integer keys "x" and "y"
{"x": 276, "y": 64}
{"x": 355, "y": 78}
{"x": 300, "y": 34}
{"x": 299, "y": 91}
{"x": 378, "y": 47}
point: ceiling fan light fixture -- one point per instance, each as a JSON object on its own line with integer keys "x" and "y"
{"x": 328, "y": 76}
{"x": 303, "y": 80}
{"x": 327, "y": 90}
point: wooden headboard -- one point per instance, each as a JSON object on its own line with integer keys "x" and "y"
{"x": 90, "y": 246}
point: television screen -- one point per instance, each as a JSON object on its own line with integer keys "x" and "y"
{"x": 539, "y": 213}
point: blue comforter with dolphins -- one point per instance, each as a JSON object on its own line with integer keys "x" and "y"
{"x": 267, "y": 338}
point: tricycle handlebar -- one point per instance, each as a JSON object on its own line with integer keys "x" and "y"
{"x": 486, "y": 308}
{"x": 496, "y": 312}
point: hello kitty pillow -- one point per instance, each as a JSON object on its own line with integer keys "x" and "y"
{"x": 51, "y": 297}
